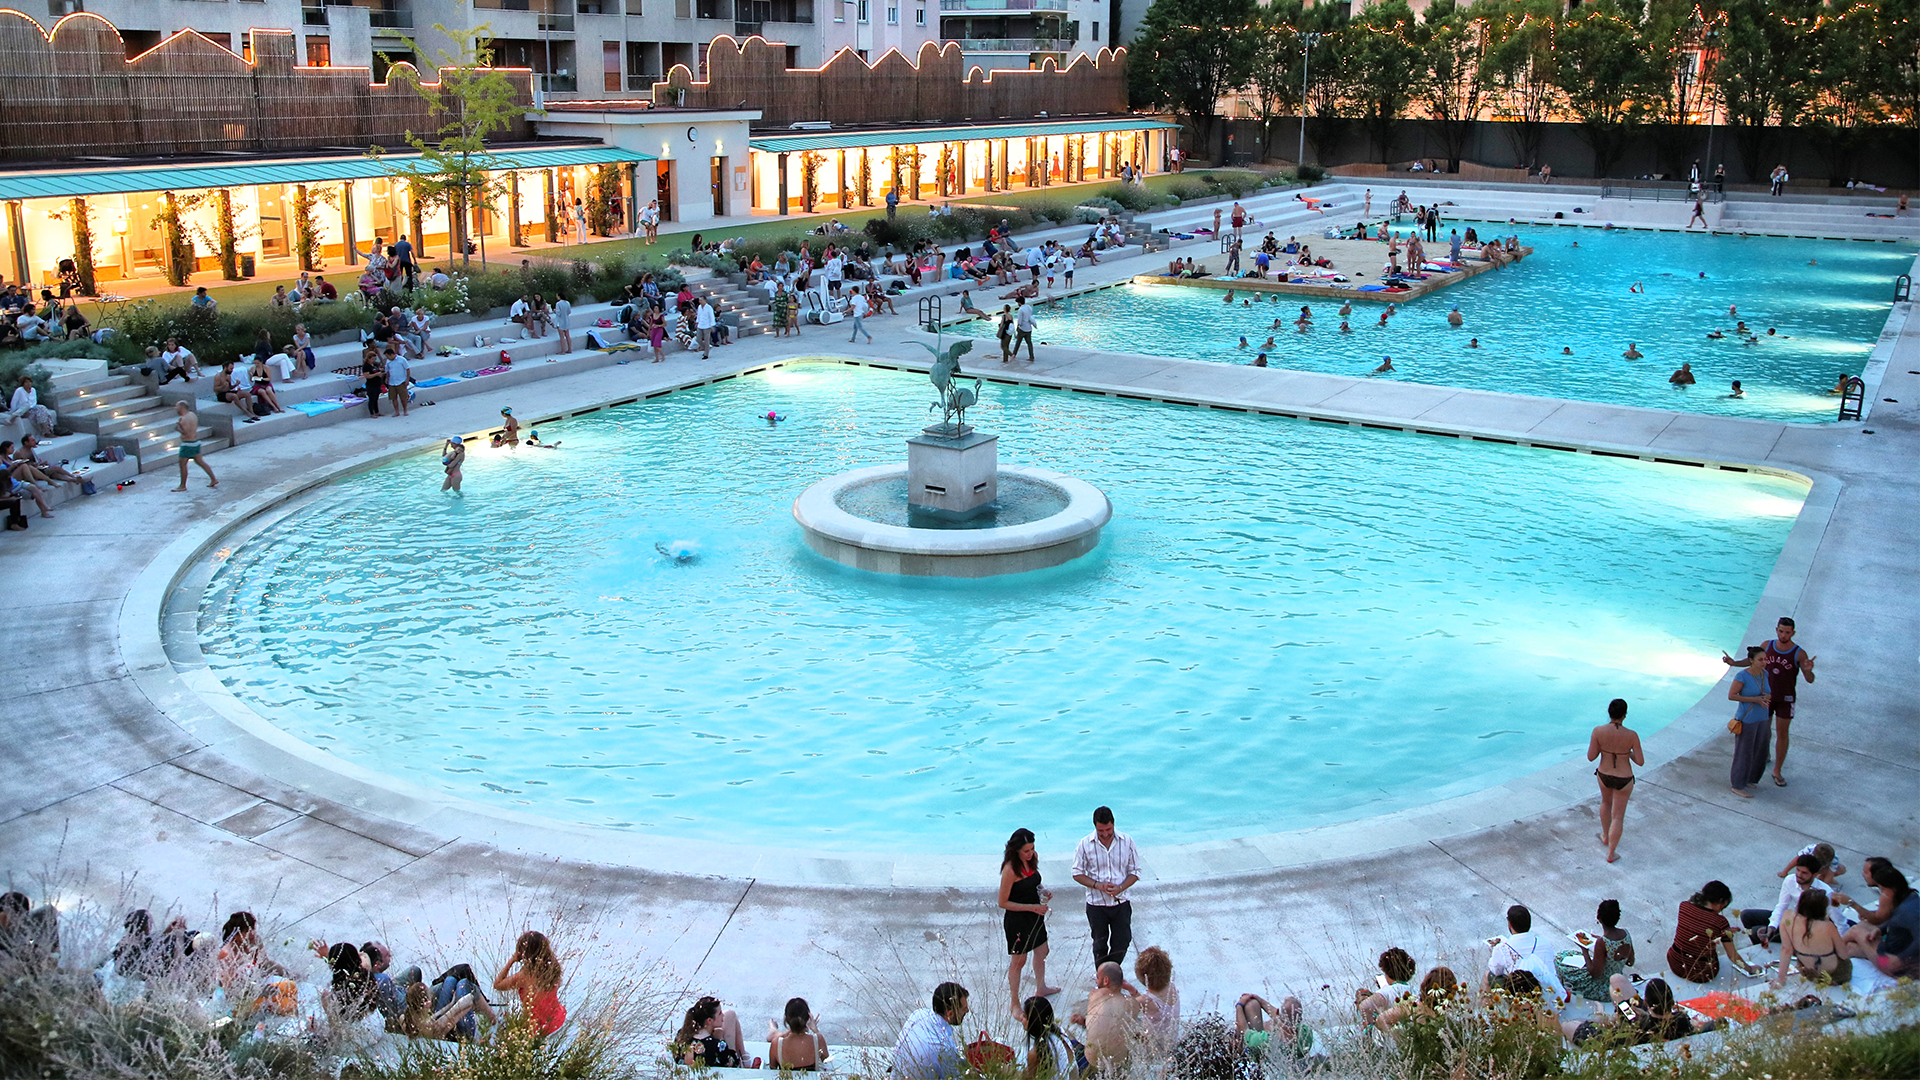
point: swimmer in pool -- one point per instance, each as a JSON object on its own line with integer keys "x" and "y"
{"x": 1737, "y": 392}
{"x": 1383, "y": 316}
{"x": 1733, "y": 310}
{"x": 1566, "y": 350}
{"x": 1277, "y": 323}
{"x": 681, "y": 552}
{"x": 1267, "y": 344}
{"x": 773, "y": 418}
{"x": 452, "y": 456}
{"x": 509, "y": 435}
{"x": 1839, "y": 387}
{"x": 1715, "y": 336}
{"x": 1473, "y": 343}
{"x": 1783, "y": 337}
{"x": 1306, "y": 314}
{"x": 1346, "y": 309}
{"x": 1243, "y": 341}
{"x": 1455, "y": 319}
{"x": 533, "y": 439}
{"x": 1229, "y": 298}
{"x": 1638, "y": 287}
{"x": 1386, "y": 364}
{"x": 1344, "y": 328}
{"x": 1260, "y": 361}
{"x": 1633, "y": 352}
{"x": 1683, "y": 378}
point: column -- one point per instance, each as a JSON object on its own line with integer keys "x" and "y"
{"x": 549, "y": 186}
{"x": 783, "y": 182}
{"x": 17, "y": 226}
{"x": 513, "y": 210}
{"x": 632, "y": 173}
{"x": 842, "y": 190}
{"x": 346, "y": 221}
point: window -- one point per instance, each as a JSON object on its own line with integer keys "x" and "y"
{"x": 893, "y": 16}
{"x": 920, "y": 16}
{"x": 682, "y": 9}
{"x": 702, "y": 74}
{"x": 839, "y": 10}
{"x": 1096, "y": 32}
{"x": 225, "y": 41}
{"x": 865, "y": 10}
{"x": 246, "y": 49}
{"x": 319, "y": 52}
{"x": 611, "y": 68}
{"x": 793, "y": 56}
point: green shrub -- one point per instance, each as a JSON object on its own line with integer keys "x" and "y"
{"x": 1311, "y": 174}
{"x": 1103, "y": 203}
{"x": 1135, "y": 198}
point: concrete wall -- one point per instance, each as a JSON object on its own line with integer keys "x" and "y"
{"x": 1888, "y": 157}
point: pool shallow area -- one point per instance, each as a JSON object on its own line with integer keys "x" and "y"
{"x": 1826, "y": 300}
{"x": 1286, "y": 624}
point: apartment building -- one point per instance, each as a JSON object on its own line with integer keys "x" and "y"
{"x": 1019, "y": 34}
{"x": 578, "y": 49}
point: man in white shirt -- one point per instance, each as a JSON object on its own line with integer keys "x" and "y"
{"x": 1034, "y": 258}
{"x": 929, "y": 1044}
{"x": 1522, "y": 950}
{"x": 32, "y": 327}
{"x": 858, "y": 307}
{"x": 1107, "y": 863}
{"x": 836, "y": 268}
{"x": 703, "y": 323}
{"x": 1765, "y": 925}
{"x": 1023, "y": 325}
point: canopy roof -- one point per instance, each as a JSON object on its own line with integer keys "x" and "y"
{"x": 67, "y": 183}
{"x": 848, "y": 140}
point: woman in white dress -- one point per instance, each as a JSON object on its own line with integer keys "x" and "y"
{"x": 25, "y": 405}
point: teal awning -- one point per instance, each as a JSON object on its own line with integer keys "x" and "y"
{"x": 67, "y": 183}
{"x": 848, "y": 140}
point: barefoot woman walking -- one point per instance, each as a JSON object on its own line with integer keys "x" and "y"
{"x": 1025, "y": 921}
{"x": 1617, "y": 747}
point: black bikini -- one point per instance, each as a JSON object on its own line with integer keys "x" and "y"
{"x": 1614, "y": 783}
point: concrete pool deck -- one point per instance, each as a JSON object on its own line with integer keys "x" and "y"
{"x": 121, "y": 766}
{"x": 1359, "y": 261}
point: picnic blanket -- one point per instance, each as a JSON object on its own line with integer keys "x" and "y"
{"x": 441, "y": 381}
{"x": 1721, "y": 1005}
{"x": 484, "y": 371}
{"x": 315, "y": 408}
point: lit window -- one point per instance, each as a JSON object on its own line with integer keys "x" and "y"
{"x": 319, "y": 52}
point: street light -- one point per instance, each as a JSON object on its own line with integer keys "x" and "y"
{"x": 1307, "y": 41}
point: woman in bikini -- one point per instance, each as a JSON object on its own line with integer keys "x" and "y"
{"x": 1617, "y": 746}
{"x": 1809, "y": 938}
{"x": 800, "y": 1048}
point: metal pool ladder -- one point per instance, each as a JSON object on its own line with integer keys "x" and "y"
{"x": 1852, "y": 398}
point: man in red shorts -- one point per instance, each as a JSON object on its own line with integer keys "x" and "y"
{"x": 1786, "y": 662}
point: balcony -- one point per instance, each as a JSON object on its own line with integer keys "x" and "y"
{"x": 380, "y": 19}
{"x": 61, "y": 8}
{"x": 1003, "y": 5}
{"x": 310, "y": 16}
{"x": 556, "y": 16}
{"x": 559, "y": 84}
{"x": 1016, "y": 45}
{"x": 641, "y": 84}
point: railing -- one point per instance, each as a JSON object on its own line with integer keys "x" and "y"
{"x": 745, "y": 30}
{"x": 559, "y": 84}
{"x": 313, "y": 16}
{"x": 62, "y": 8}
{"x": 1658, "y": 191}
{"x": 1003, "y": 5}
{"x": 381, "y": 19}
{"x": 641, "y": 83}
{"x": 1025, "y": 45}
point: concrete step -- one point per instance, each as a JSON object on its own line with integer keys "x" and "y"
{"x": 144, "y": 427}
{"x": 98, "y": 396}
{"x": 76, "y": 391}
{"x": 115, "y": 418}
{"x": 161, "y": 454}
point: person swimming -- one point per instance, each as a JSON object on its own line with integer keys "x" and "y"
{"x": 1386, "y": 364}
{"x": 1715, "y": 336}
{"x": 1737, "y": 392}
{"x": 1344, "y": 328}
{"x": 1633, "y": 351}
{"x": 1454, "y": 318}
{"x": 1840, "y": 387}
{"x": 1566, "y": 350}
{"x": 772, "y": 417}
{"x": 1473, "y": 343}
{"x": 1260, "y": 361}
{"x": 1243, "y": 341}
{"x": 681, "y": 552}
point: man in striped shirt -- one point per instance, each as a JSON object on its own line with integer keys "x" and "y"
{"x": 1108, "y": 865}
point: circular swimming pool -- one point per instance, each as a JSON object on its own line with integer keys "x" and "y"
{"x": 1285, "y": 624}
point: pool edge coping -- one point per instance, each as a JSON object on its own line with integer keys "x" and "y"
{"x": 197, "y": 702}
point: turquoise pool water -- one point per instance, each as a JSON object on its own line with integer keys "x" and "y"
{"x": 1563, "y": 297}
{"x": 1286, "y": 623}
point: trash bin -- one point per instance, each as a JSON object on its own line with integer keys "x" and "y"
{"x": 246, "y": 266}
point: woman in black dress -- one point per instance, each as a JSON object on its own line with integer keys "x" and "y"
{"x": 1025, "y": 903}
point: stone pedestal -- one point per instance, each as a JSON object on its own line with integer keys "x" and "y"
{"x": 953, "y": 476}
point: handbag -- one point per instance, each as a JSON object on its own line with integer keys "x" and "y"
{"x": 1735, "y": 726}
{"x": 984, "y": 1053}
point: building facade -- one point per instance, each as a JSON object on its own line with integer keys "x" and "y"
{"x": 577, "y": 49}
{"x": 1015, "y": 34}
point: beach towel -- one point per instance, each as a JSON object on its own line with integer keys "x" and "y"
{"x": 484, "y": 371}
{"x": 441, "y": 381}
{"x": 1372, "y": 288}
{"x": 1721, "y": 1005}
{"x": 315, "y": 408}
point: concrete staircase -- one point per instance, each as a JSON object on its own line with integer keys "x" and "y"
{"x": 120, "y": 409}
{"x": 1801, "y": 217}
{"x": 748, "y": 311}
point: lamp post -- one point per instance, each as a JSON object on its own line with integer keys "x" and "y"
{"x": 1307, "y": 42}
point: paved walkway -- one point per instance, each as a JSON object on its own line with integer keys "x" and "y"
{"x": 119, "y": 771}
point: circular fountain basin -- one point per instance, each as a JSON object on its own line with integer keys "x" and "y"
{"x": 950, "y": 551}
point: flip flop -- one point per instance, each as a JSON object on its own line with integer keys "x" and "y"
{"x": 1779, "y": 781}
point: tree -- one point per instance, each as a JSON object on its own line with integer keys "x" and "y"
{"x": 1897, "y": 64}
{"x": 1387, "y": 68}
{"x": 1847, "y": 80}
{"x": 1328, "y": 78}
{"x": 1521, "y": 63}
{"x": 1188, "y": 55}
{"x": 1454, "y": 45}
{"x": 472, "y": 101}
{"x": 79, "y": 215}
{"x": 1273, "y": 73}
{"x": 1761, "y": 72}
{"x": 1600, "y": 73}
{"x": 1674, "y": 87}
